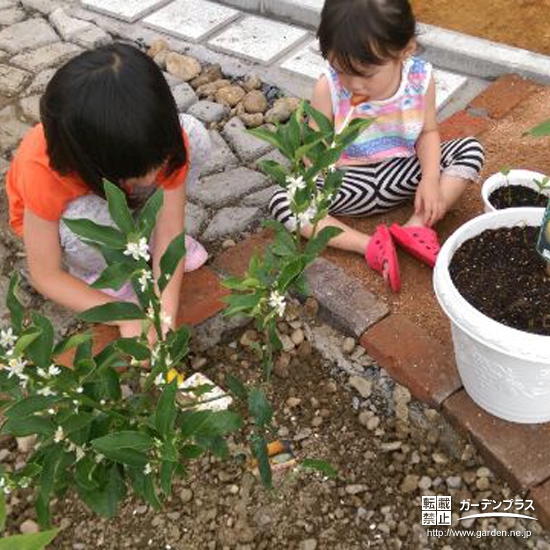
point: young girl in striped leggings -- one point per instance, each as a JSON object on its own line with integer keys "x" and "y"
{"x": 373, "y": 74}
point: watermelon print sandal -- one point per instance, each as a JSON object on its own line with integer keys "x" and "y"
{"x": 420, "y": 242}
{"x": 380, "y": 251}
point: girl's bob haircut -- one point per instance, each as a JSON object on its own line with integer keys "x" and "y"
{"x": 357, "y": 33}
{"x": 109, "y": 113}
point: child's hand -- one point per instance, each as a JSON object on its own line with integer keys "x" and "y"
{"x": 428, "y": 202}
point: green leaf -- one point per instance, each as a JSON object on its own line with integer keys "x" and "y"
{"x": 323, "y": 123}
{"x": 241, "y": 303}
{"x": 118, "y": 208}
{"x": 110, "y": 380}
{"x": 30, "y": 405}
{"x": 30, "y": 425}
{"x": 178, "y": 343}
{"x": 72, "y": 342}
{"x": 2, "y": 511}
{"x": 284, "y": 244}
{"x": 114, "y": 276}
{"x": 48, "y": 477}
{"x": 126, "y": 447}
{"x": 150, "y": 492}
{"x": 170, "y": 260}
{"x": 190, "y": 452}
{"x": 15, "y": 307}
{"x": 25, "y": 340}
{"x": 114, "y": 311}
{"x": 259, "y": 407}
{"x": 259, "y": 448}
{"x": 40, "y": 350}
{"x": 167, "y": 469}
{"x": 315, "y": 246}
{"x": 132, "y": 347}
{"x": 237, "y": 388}
{"x": 76, "y": 422}
{"x": 277, "y": 171}
{"x": 147, "y": 218}
{"x": 542, "y": 129}
{"x": 31, "y": 541}
{"x": 268, "y": 136}
{"x": 165, "y": 414}
{"x": 289, "y": 273}
{"x": 104, "y": 501}
{"x": 101, "y": 234}
{"x": 321, "y": 466}
{"x": 84, "y": 470}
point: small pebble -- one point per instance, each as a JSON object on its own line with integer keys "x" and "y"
{"x": 349, "y": 345}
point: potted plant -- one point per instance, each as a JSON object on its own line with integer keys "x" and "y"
{"x": 495, "y": 288}
{"x": 515, "y": 188}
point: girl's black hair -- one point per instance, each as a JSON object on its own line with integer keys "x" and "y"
{"x": 364, "y": 32}
{"x": 109, "y": 113}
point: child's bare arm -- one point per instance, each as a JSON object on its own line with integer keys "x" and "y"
{"x": 169, "y": 225}
{"x": 428, "y": 148}
{"x": 41, "y": 239}
{"x": 321, "y": 98}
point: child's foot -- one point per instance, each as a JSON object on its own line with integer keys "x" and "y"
{"x": 382, "y": 257}
{"x": 196, "y": 254}
{"x": 421, "y": 242}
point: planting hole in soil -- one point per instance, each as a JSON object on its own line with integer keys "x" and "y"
{"x": 511, "y": 196}
{"x": 501, "y": 274}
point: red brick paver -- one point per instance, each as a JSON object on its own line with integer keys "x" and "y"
{"x": 518, "y": 452}
{"x": 503, "y": 95}
{"x": 234, "y": 261}
{"x": 413, "y": 358}
{"x": 462, "y": 124}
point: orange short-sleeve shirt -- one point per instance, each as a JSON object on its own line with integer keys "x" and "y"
{"x": 32, "y": 184}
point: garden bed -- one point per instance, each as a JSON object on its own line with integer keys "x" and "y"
{"x": 523, "y": 23}
{"x": 387, "y": 450}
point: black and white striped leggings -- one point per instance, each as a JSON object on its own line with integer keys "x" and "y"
{"x": 375, "y": 188}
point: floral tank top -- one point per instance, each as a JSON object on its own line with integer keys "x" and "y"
{"x": 398, "y": 120}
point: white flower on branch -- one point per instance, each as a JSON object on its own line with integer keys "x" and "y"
{"x": 53, "y": 370}
{"x": 159, "y": 380}
{"x": 99, "y": 457}
{"x": 306, "y": 217}
{"x": 7, "y": 338}
{"x": 165, "y": 319}
{"x": 295, "y": 184}
{"x": 147, "y": 470}
{"x": 15, "y": 367}
{"x": 4, "y": 486}
{"x": 45, "y": 391}
{"x": 80, "y": 453}
{"x": 59, "y": 435}
{"x": 150, "y": 313}
{"x": 144, "y": 279}
{"x": 138, "y": 250}
{"x": 277, "y": 302}
{"x": 41, "y": 372}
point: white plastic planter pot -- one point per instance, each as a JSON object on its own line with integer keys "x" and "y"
{"x": 515, "y": 177}
{"x": 504, "y": 370}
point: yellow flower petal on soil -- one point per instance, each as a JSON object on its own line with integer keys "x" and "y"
{"x": 172, "y": 373}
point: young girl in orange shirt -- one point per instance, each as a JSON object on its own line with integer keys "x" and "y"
{"x": 107, "y": 113}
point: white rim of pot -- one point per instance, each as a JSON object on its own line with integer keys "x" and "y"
{"x": 480, "y": 327}
{"x": 522, "y": 177}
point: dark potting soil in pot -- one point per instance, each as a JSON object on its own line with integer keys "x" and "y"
{"x": 501, "y": 274}
{"x": 510, "y": 196}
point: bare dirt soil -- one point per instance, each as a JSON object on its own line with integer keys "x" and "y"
{"x": 521, "y": 23}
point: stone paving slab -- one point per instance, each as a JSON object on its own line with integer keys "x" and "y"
{"x": 191, "y": 19}
{"x": 247, "y": 146}
{"x": 127, "y": 10}
{"x": 258, "y": 39}
{"x": 11, "y": 16}
{"x": 12, "y": 80}
{"x": 230, "y": 222}
{"x": 518, "y": 452}
{"x": 221, "y": 157}
{"x": 27, "y": 35}
{"x": 12, "y": 130}
{"x": 333, "y": 288}
{"x": 46, "y": 57}
{"x": 222, "y": 189}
